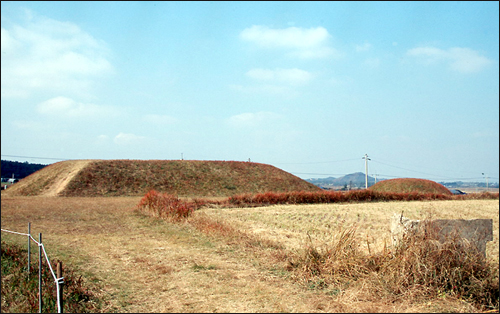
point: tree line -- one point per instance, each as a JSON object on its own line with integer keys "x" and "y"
{"x": 18, "y": 169}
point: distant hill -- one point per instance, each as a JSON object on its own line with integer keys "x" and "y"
{"x": 191, "y": 178}
{"x": 356, "y": 179}
{"x": 409, "y": 185}
{"x": 18, "y": 169}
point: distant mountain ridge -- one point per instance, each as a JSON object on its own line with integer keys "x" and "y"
{"x": 356, "y": 179}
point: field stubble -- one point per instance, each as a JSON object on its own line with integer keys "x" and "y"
{"x": 141, "y": 264}
{"x": 291, "y": 224}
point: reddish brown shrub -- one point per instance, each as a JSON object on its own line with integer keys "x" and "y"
{"x": 164, "y": 205}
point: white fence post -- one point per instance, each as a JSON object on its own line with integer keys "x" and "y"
{"x": 60, "y": 283}
{"x": 40, "y": 272}
{"x": 29, "y": 247}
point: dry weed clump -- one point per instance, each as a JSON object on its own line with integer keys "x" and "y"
{"x": 454, "y": 266}
{"x": 214, "y": 227}
{"x": 419, "y": 268}
{"x": 340, "y": 262}
{"x": 164, "y": 205}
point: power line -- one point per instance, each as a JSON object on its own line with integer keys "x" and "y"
{"x": 354, "y": 159}
{"x": 417, "y": 171}
{"x": 35, "y": 157}
{"x": 314, "y": 162}
{"x": 321, "y": 174}
{"x": 308, "y": 173}
{"x": 413, "y": 170}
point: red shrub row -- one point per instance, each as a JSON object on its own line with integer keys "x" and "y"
{"x": 164, "y": 205}
{"x": 270, "y": 198}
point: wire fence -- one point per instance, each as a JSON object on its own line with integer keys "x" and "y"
{"x": 58, "y": 279}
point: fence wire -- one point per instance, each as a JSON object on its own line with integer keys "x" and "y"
{"x": 58, "y": 281}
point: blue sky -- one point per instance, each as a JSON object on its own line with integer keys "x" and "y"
{"x": 309, "y": 87}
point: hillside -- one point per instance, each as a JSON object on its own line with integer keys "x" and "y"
{"x": 137, "y": 177}
{"x": 409, "y": 185}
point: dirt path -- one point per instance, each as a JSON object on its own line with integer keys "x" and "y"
{"x": 60, "y": 181}
{"x": 145, "y": 265}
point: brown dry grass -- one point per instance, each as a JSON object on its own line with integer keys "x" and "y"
{"x": 408, "y": 185}
{"x": 136, "y": 177}
{"x": 141, "y": 264}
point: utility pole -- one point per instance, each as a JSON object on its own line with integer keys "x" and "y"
{"x": 486, "y": 182}
{"x": 366, "y": 170}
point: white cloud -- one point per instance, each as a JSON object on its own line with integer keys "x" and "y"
{"x": 287, "y": 76}
{"x": 467, "y": 60}
{"x": 463, "y": 60}
{"x": 43, "y": 54}
{"x": 430, "y": 53}
{"x": 67, "y": 107}
{"x": 249, "y": 119}
{"x": 305, "y": 43}
{"x": 9, "y": 44}
{"x": 128, "y": 138}
{"x": 291, "y": 37}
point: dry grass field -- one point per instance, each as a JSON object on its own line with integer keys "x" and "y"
{"x": 291, "y": 224}
{"x": 137, "y": 263}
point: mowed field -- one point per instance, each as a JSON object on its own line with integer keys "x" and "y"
{"x": 137, "y": 263}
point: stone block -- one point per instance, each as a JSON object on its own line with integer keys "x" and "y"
{"x": 475, "y": 231}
